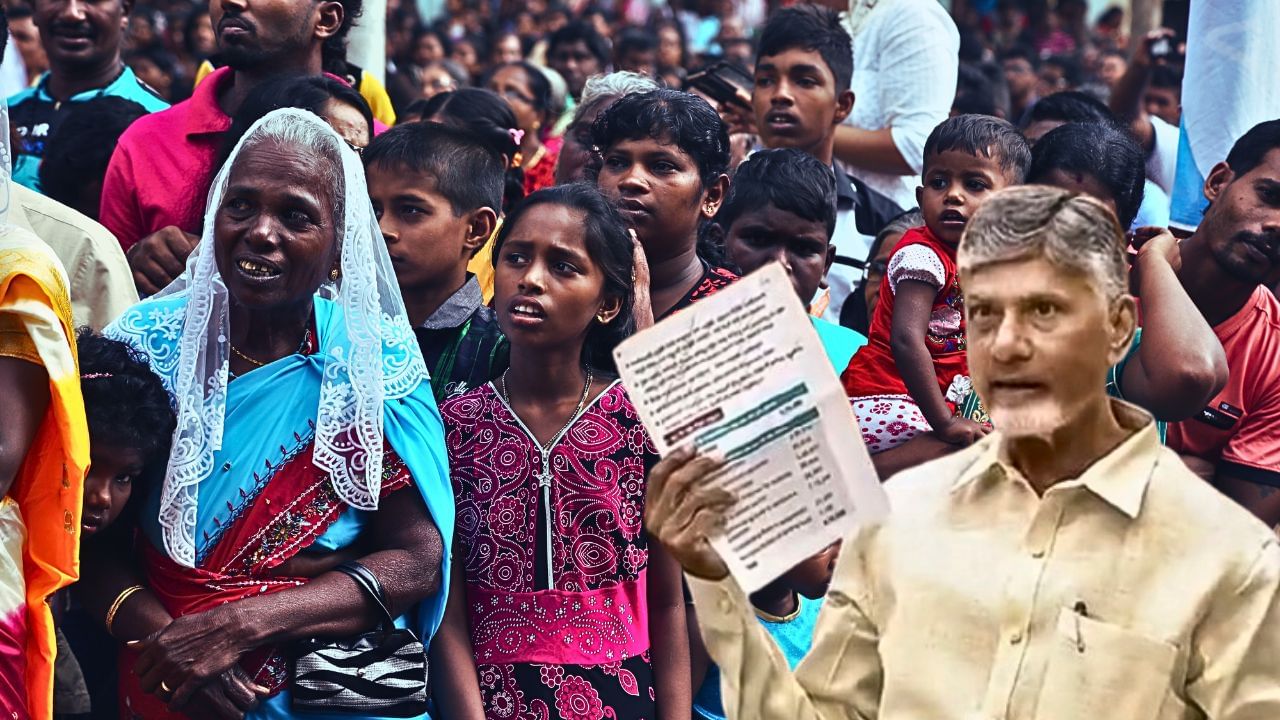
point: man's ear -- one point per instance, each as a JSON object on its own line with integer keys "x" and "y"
{"x": 329, "y": 19}
{"x": 483, "y": 222}
{"x": 127, "y": 6}
{"x": 1122, "y": 323}
{"x": 1219, "y": 177}
{"x": 844, "y": 106}
{"x": 714, "y": 196}
{"x": 831, "y": 258}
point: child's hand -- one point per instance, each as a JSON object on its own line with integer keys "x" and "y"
{"x": 961, "y": 431}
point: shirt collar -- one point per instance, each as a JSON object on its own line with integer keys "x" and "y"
{"x": 111, "y": 88}
{"x": 1120, "y": 477}
{"x": 460, "y": 306}
{"x": 204, "y": 114}
{"x": 846, "y": 196}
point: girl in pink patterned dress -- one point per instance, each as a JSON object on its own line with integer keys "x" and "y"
{"x": 569, "y": 613}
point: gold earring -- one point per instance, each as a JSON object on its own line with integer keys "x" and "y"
{"x": 334, "y": 275}
{"x": 602, "y": 319}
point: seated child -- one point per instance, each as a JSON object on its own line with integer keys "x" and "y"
{"x": 130, "y": 427}
{"x": 782, "y": 206}
{"x": 787, "y": 608}
{"x": 912, "y": 377}
{"x": 436, "y": 191}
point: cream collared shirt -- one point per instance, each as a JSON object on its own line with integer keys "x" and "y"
{"x": 1134, "y": 592}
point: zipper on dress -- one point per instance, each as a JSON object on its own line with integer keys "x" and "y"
{"x": 544, "y": 482}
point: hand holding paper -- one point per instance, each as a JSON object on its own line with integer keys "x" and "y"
{"x": 742, "y": 376}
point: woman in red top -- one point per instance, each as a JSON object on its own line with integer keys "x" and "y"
{"x": 528, "y": 92}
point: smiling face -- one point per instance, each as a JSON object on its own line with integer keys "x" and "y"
{"x": 108, "y": 485}
{"x": 1041, "y": 339}
{"x": 1242, "y": 223}
{"x": 547, "y": 289}
{"x": 657, "y": 188}
{"x": 955, "y": 186}
{"x": 274, "y": 232}
{"x": 761, "y": 236}
{"x": 81, "y": 33}
{"x": 796, "y": 102}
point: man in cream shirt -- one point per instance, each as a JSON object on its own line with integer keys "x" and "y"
{"x": 1066, "y": 567}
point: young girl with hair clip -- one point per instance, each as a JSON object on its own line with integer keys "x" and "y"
{"x": 549, "y": 464}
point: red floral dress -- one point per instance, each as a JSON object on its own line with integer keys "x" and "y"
{"x": 542, "y": 174}
{"x": 555, "y": 556}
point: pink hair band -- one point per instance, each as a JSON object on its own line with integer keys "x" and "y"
{"x": 95, "y": 376}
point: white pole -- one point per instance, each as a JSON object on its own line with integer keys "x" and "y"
{"x": 367, "y": 43}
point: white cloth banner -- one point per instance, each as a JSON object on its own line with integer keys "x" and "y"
{"x": 1230, "y": 85}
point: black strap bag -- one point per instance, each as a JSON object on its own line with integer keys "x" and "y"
{"x": 382, "y": 672}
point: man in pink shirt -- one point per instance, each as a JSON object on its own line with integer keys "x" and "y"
{"x": 1228, "y": 267}
{"x": 153, "y": 198}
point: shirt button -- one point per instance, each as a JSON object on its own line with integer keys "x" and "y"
{"x": 1037, "y": 554}
{"x": 1015, "y": 638}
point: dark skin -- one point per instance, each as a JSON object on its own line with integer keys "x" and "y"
{"x": 275, "y": 241}
{"x": 82, "y": 40}
{"x": 250, "y": 27}
{"x": 770, "y": 234}
{"x": 657, "y": 188}
{"x": 797, "y": 104}
{"x": 1235, "y": 249}
{"x": 25, "y": 386}
{"x": 1128, "y": 97}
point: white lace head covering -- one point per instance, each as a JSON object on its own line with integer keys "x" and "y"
{"x": 380, "y": 361}
{"x": 6, "y": 164}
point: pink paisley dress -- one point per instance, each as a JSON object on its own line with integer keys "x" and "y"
{"x": 555, "y": 555}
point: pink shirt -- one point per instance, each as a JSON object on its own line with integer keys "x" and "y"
{"x": 162, "y": 167}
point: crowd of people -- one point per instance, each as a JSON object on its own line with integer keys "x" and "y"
{"x": 308, "y": 381}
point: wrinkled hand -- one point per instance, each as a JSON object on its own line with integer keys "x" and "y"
{"x": 643, "y": 302}
{"x": 682, "y": 511}
{"x": 159, "y": 258}
{"x": 961, "y": 431}
{"x": 191, "y": 652}
{"x": 230, "y": 696}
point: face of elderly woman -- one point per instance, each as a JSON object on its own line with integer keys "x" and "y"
{"x": 274, "y": 233}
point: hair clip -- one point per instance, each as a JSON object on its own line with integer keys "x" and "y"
{"x": 95, "y": 376}
{"x": 517, "y": 135}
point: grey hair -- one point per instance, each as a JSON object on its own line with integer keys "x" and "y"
{"x": 315, "y": 141}
{"x": 900, "y": 224}
{"x": 1072, "y": 231}
{"x": 616, "y": 84}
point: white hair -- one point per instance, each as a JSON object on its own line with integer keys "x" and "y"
{"x": 618, "y": 83}
{"x": 1072, "y": 231}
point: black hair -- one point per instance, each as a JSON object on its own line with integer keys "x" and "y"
{"x": 539, "y": 86}
{"x": 608, "y": 245}
{"x": 813, "y": 28}
{"x": 786, "y": 178}
{"x": 668, "y": 116}
{"x": 333, "y": 52}
{"x": 490, "y": 119}
{"x": 466, "y": 172}
{"x": 635, "y": 40}
{"x": 422, "y": 31}
{"x": 310, "y": 93}
{"x": 1167, "y": 77}
{"x": 684, "y": 43}
{"x": 4, "y": 27}
{"x": 1070, "y": 66}
{"x": 78, "y": 151}
{"x": 1248, "y": 152}
{"x": 982, "y": 135}
{"x": 1103, "y": 150}
{"x": 579, "y": 30}
{"x": 126, "y": 404}
{"x": 1070, "y": 107}
{"x": 1021, "y": 52}
{"x": 974, "y": 93}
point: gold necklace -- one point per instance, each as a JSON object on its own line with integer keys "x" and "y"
{"x": 306, "y": 338}
{"x": 582, "y": 401}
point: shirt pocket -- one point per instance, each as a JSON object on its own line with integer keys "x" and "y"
{"x": 1098, "y": 670}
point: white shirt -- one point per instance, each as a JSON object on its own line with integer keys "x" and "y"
{"x": 1162, "y": 163}
{"x": 905, "y": 62}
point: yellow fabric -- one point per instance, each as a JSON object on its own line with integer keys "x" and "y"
{"x": 482, "y": 265}
{"x": 50, "y": 484}
{"x": 1135, "y": 591}
{"x": 370, "y": 89}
